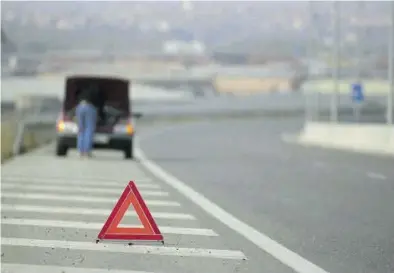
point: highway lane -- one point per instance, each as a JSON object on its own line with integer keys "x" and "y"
{"x": 333, "y": 208}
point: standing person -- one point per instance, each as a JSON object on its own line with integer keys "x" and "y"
{"x": 86, "y": 113}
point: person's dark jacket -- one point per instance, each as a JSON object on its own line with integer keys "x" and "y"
{"x": 90, "y": 95}
{"x": 95, "y": 97}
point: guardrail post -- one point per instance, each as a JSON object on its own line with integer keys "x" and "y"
{"x": 390, "y": 95}
{"x": 17, "y": 147}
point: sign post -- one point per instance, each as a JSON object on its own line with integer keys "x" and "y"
{"x": 390, "y": 95}
{"x": 357, "y": 94}
{"x": 337, "y": 56}
{"x": 310, "y": 54}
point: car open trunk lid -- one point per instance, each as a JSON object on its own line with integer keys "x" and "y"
{"x": 116, "y": 97}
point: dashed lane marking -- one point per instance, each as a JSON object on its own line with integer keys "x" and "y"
{"x": 95, "y": 226}
{"x": 87, "y": 211}
{"x": 135, "y": 249}
{"x": 377, "y": 176}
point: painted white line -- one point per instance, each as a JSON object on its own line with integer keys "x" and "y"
{"x": 279, "y": 252}
{"x": 18, "y": 268}
{"x": 377, "y": 176}
{"x": 136, "y": 249}
{"x": 87, "y": 211}
{"x": 76, "y": 189}
{"x": 37, "y": 173}
{"x": 81, "y": 198}
{"x": 95, "y": 185}
{"x": 98, "y": 226}
{"x": 78, "y": 180}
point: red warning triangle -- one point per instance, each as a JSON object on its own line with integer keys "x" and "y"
{"x": 149, "y": 231}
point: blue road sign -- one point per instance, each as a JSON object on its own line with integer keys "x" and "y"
{"x": 357, "y": 92}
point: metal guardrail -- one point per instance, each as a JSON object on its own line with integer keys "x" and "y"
{"x": 35, "y": 120}
{"x": 43, "y": 128}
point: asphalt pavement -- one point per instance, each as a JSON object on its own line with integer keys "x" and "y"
{"x": 53, "y": 209}
{"x": 333, "y": 208}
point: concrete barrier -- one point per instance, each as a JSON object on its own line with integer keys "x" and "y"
{"x": 366, "y": 138}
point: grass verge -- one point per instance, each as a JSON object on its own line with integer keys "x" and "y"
{"x": 33, "y": 137}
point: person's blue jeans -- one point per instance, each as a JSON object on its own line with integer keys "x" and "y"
{"x": 86, "y": 116}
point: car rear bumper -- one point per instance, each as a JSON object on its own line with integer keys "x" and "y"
{"x": 115, "y": 142}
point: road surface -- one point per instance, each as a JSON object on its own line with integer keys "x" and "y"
{"x": 333, "y": 208}
{"x": 324, "y": 211}
{"x": 53, "y": 209}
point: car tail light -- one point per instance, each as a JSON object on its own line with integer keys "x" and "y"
{"x": 124, "y": 127}
{"x": 65, "y": 124}
{"x": 60, "y": 126}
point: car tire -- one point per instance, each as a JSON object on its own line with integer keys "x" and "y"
{"x": 128, "y": 151}
{"x": 61, "y": 150}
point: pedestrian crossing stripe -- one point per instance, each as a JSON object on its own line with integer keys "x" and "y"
{"x": 121, "y": 248}
{"x": 18, "y": 268}
{"x": 97, "y": 226}
{"x": 87, "y": 211}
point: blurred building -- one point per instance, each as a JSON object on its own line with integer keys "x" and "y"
{"x": 178, "y": 47}
{"x": 13, "y": 62}
{"x": 8, "y": 58}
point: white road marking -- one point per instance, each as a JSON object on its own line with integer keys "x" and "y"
{"x": 135, "y": 249}
{"x": 81, "y": 198}
{"x": 77, "y": 180}
{"x": 18, "y": 268}
{"x": 98, "y": 226}
{"x": 97, "y": 185}
{"x": 76, "y": 189}
{"x": 281, "y": 253}
{"x": 87, "y": 211}
{"x": 377, "y": 176}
